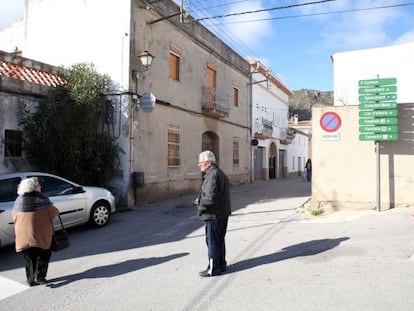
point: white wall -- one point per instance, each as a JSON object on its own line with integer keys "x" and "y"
{"x": 271, "y": 103}
{"x": 83, "y": 31}
{"x": 297, "y": 149}
{"x": 385, "y": 62}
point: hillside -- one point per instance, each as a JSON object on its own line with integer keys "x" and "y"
{"x": 301, "y": 102}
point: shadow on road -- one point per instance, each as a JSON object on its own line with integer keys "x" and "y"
{"x": 298, "y": 250}
{"x": 113, "y": 270}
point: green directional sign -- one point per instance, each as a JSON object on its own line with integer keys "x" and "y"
{"x": 378, "y": 105}
{"x": 374, "y": 98}
{"x": 378, "y": 113}
{"x": 379, "y": 129}
{"x": 378, "y": 121}
{"x": 378, "y": 90}
{"x": 377, "y": 82}
{"x": 378, "y": 137}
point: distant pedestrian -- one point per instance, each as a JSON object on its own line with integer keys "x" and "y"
{"x": 308, "y": 167}
{"x": 214, "y": 207}
{"x": 32, "y": 215}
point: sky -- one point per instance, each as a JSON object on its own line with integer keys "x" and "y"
{"x": 293, "y": 38}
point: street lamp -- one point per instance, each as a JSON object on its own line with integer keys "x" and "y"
{"x": 146, "y": 59}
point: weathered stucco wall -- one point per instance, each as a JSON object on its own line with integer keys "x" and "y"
{"x": 179, "y": 104}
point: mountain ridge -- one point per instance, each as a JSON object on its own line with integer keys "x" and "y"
{"x": 301, "y": 102}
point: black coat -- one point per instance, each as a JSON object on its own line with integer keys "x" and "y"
{"x": 214, "y": 198}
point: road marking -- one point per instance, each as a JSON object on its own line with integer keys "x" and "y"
{"x": 9, "y": 288}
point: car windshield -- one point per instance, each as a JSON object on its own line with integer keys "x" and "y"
{"x": 52, "y": 186}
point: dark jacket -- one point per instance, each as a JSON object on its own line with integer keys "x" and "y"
{"x": 214, "y": 197}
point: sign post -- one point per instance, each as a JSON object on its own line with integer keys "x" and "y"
{"x": 378, "y": 117}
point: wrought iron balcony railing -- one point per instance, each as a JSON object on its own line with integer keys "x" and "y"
{"x": 215, "y": 103}
{"x": 263, "y": 128}
{"x": 288, "y": 136}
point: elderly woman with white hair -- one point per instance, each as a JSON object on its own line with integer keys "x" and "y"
{"x": 33, "y": 214}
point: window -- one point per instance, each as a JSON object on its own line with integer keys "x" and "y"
{"x": 13, "y": 141}
{"x": 211, "y": 86}
{"x": 236, "y": 160}
{"x": 174, "y": 67}
{"x": 8, "y": 189}
{"x": 174, "y": 62}
{"x": 211, "y": 76}
{"x": 173, "y": 146}
{"x": 52, "y": 186}
{"x": 235, "y": 96}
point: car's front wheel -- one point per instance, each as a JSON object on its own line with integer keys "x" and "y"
{"x": 100, "y": 214}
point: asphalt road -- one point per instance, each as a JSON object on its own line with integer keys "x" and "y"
{"x": 278, "y": 259}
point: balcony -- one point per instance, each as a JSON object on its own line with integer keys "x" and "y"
{"x": 289, "y": 136}
{"x": 215, "y": 103}
{"x": 263, "y": 128}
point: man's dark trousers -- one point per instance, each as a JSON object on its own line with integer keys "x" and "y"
{"x": 215, "y": 239}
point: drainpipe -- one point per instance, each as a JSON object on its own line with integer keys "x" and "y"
{"x": 250, "y": 116}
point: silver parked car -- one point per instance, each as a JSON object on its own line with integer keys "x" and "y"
{"x": 77, "y": 204}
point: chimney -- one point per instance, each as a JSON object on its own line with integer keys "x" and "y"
{"x": 295, "y": 119}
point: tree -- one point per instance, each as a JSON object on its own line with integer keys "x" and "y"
{"x": 61, "y": 136}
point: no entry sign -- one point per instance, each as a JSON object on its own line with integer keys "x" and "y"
{"x": 330, "y": 121}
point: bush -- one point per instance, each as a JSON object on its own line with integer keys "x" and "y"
{"x": 61, "y": 136}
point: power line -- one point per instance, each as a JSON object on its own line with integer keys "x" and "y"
{"x": 321, "y": 13}
{"x": 223, "y": 4}
{"x": 265, "y": 10}
{"x": 224, "y": 33}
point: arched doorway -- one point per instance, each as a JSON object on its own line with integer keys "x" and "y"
{"x": 210, "y": 141}
{"x": 272, "y": 161}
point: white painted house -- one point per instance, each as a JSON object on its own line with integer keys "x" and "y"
{"x": 299, "y": 150}
{"x": 270, "y": 131}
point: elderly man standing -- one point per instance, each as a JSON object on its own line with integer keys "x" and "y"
{"x": 214, "y": 207}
